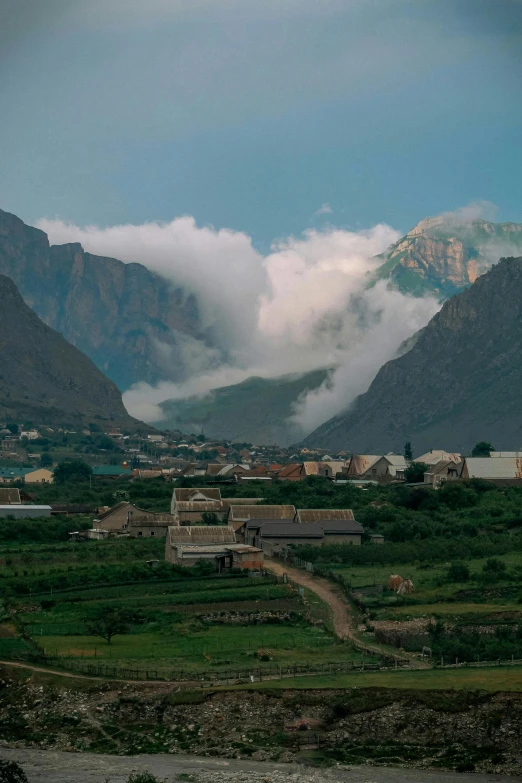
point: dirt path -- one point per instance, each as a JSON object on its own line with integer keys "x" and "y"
{"x": 331, "y": 595}
{"x": 74, "y": 676}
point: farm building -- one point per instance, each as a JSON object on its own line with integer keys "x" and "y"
{"x": 338, "y": 524}
{"x": 119, "y": 517}
{"x": 189, "y": 505}
{"x": 25, "y": 512}
{"x": 238, "y": 515}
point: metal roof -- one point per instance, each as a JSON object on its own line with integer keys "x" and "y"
{"x": 25, "y": 506}
{"x": 110, "y": 470}
{"x": 360, "y": 463}
{"x": 290, "y": 530}
{"x": 339, "y": 526}
{"x": 200, "y": 505}
{"x": 315, "y": 514}
{"x": 184, "y": 494}
{"x": 242, "y": 513}
{"x": 496, "y": 468}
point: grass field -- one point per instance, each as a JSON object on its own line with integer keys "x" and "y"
{"x": 169, "y": 627}
{"x": 507, "y": 679}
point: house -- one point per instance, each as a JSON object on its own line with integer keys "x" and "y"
{"x": 292, "y": 472}
{"x": 189, "y": 505}
{"x": 30, "y": 434}
{"x": 502, "y": 471}
{"x": 147, "y": 525}
{"x": 360, "y": 465}
{"x": 39, "y": 476}
{"x": 119, "y": 517}
{"x": 59, "y": 509}
{"x": 435, "y": 456}
{"x": 376, "y": 538}
{"x": 385, "y": 468}
{"x": 197, "y": 543}
{"x": 283, "y": 533}
{"x": 238, "y": 514}
{"x": 228, "y": 470}
{"x": 338, "y": 525}
{"x": 8, "y": 475}
{"x": 9, "y": 497}
{"x": 328, "y": 469}
{"x": 24, "y": 511}
{"x": 445, "y": 470}
{"x": 110, "y": 472}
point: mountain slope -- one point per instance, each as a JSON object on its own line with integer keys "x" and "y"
{"x": 442, "y": 256}
{"x": 258, "y": 410}
{"x": 128, "y": 320}
{"x": 461, "y": 382}
{"x": 46, "y": 380}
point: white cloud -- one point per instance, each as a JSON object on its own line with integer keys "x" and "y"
{"x": 303, "y": 306}
{"x": 324, "y": 209}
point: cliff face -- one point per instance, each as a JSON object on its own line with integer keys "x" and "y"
{"x": 46, "y": 380}
{"x": 461, "y": 382}
{"x": 442, "y": 257}
{"x": 124, "y": 317}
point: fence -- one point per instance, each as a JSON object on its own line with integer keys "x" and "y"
{"x": 204, "y": 679}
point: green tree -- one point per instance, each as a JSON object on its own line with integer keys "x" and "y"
{"x": 408, "y": 453}
{"x": 72, "y": 470}
{"x": 107, "y": 444}
{"x": 414, "y": 474}
{"x": 494, "y": 567}
{"x": 111, "y": 621}
{"x": 12, "y": 428}
{"x": 482, "y": 449}
{"x": 46, "y": 461}
{"x": 210, "y": 518}
{"x": 458, "y": 572}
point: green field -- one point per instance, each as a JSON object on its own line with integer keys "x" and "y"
{"x": 506, "y": 678}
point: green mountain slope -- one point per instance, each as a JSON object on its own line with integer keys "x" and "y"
{"x": 460, "y": 383}
{"x": 258, "y": 410}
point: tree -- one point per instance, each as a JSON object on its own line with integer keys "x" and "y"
{"x": 107, "y": 444}
{"x": 408, "y": 453}
{"x": 494, "y": 567}
{"x": 12, "y": 428}
{"x": 210, "y": 518}
{"x": 458, "y": 572}
{"x": 414, "y": 474}
{"x": 46, "y": 460}
{"x": 482, "y": 449}
{"x": 72, "y": 470}
{"x": 111, "y": 621}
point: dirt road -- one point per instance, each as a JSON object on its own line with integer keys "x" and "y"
{"x": 332, "y": 595}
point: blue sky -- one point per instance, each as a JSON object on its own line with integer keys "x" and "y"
{"x": 251, "y": 114}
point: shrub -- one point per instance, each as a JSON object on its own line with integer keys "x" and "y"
{"x": 458, "y": 572}
{"x": 143, "y": 777}
{"x": 10, "y": 772}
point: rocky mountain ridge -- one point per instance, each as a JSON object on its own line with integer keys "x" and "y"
{"x": 46, "y": 380}
{"x": 442, "y": 256}
{"x": 461, "y": 382}
{"x": 128, "y": 320}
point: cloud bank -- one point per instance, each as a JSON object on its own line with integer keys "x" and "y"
{"x": 304, "y": 305}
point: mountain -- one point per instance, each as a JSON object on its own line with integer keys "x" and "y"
{"x": 258, "y": 410}
{"x": 442, "y": 256}
{"x": 128, "y": 320}
{"x": 46, "y": 380}
{"x": 460, "y": 383}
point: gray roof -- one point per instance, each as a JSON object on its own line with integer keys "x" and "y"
{"x": 340, "y": 526}
{"x": 494, "y": 467}
{"x": 258, "y": 511}
{"x": 290, "y": 530}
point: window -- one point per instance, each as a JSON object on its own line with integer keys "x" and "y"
{"x": 140, "y": 533}
{"x": 152, "y": 533}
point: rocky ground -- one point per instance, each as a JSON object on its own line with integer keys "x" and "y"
{"x": 463, "y": 731}
{"x": 56, "y": 767}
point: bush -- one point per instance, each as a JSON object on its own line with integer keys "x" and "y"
{"x": 10, "y": 772}
{"x": 458, "y": 572}
{"x": 494, "y": 567}
{"x": 143, "y": 777}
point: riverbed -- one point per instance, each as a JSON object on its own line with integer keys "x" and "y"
{"x": 43, "y": 766}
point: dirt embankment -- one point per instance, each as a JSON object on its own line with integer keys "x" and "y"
{"x": 444, "y": 730}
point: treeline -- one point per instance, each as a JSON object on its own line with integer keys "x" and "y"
{"x": 43, "y": 529}
{"x": 424, "y": 551}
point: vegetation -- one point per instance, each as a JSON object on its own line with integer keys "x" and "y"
{"x": 10, "y": 772}
{"x": 110, "y": 621}
{"x": 414, "y": 474}
{"x": 482, "y": 449}
{"x": 72, "y": 470}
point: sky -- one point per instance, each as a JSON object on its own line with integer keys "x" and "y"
{"x": 260, "y": 153}
{"x": 263, "y": 116}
